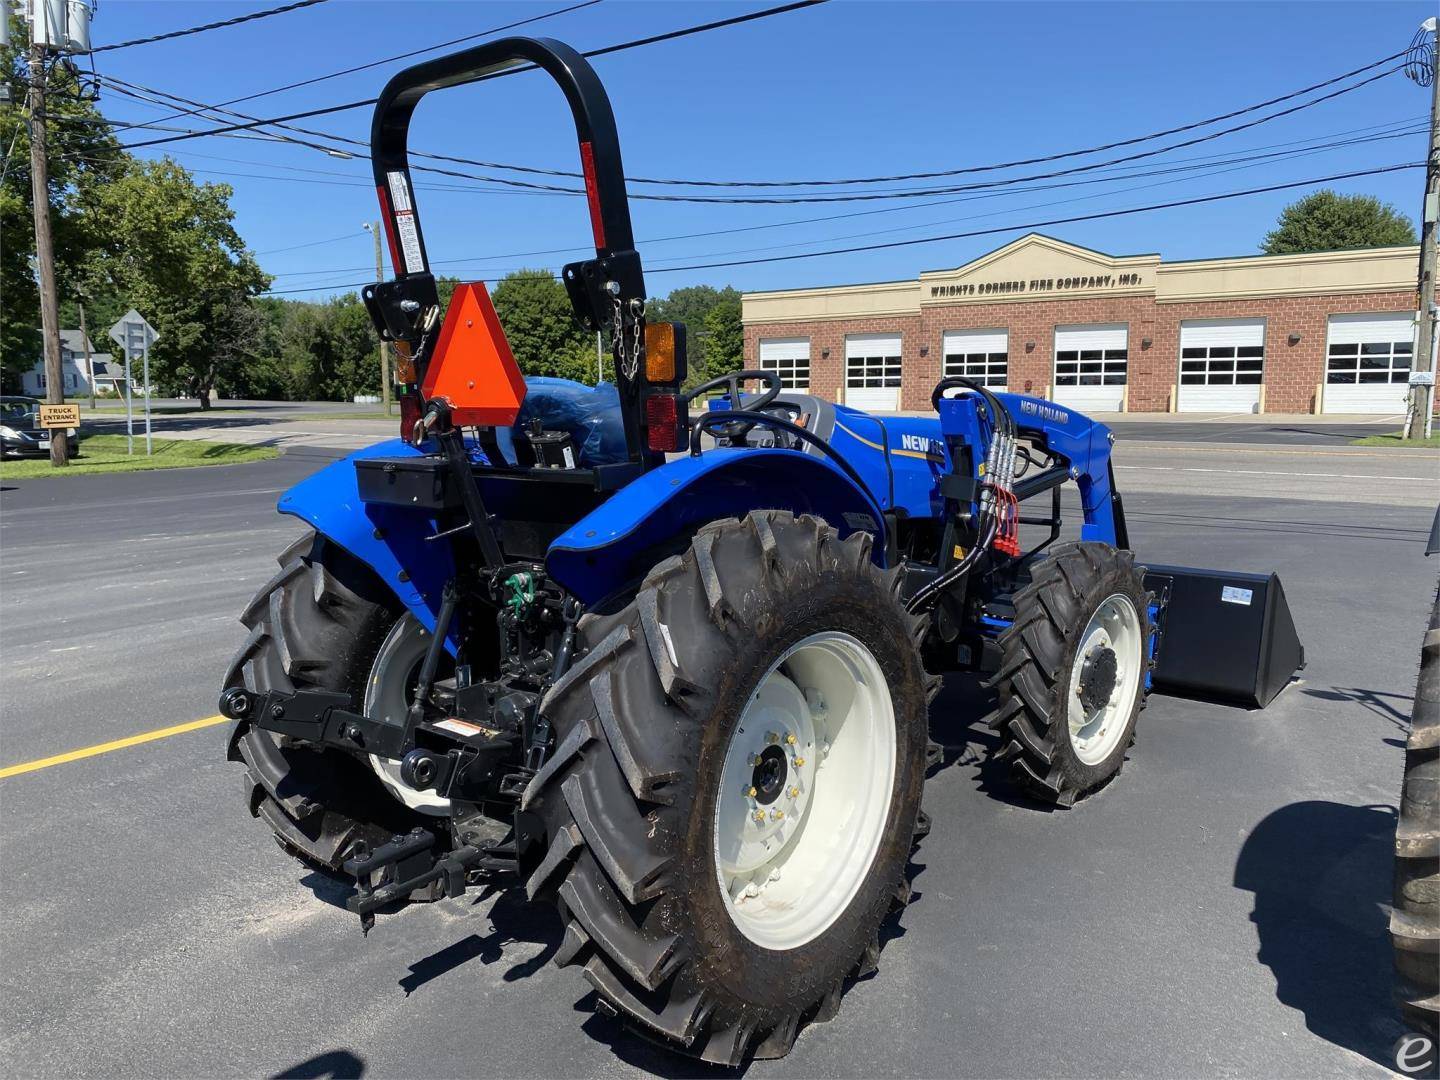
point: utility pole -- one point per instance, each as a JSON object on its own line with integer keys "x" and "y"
{"x": 373, "y": 228}
{"x": 44, "y": 250}
{"x": 1418, "y": 419}
{"x": 89, "y": 360}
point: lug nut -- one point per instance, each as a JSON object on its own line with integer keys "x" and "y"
{"x": 760, "y": 815}
{"x": 794, "y": 793}
{"x": 799, "y": 762}
{"x": 777, "y": 815}
{"x": 772, "y": 737}
{"x": 791, "y": 739}
{"x": 751, "y": 792}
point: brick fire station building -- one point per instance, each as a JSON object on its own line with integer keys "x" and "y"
{"x": 1321, "y": 332}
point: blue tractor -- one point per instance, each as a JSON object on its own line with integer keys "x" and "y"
{"x": 672, "y": 673}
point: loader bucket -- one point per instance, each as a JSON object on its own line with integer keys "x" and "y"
{"x": 1225, "y": 637}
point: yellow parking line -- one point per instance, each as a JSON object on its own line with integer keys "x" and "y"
{"x": 106, "y": 747}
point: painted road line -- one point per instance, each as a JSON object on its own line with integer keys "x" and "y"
{"x": 1290, "y": 475}
{"x": 107, "y": 747}
{"x": 1399, "y": 453}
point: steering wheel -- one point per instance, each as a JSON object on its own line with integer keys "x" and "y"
{"x": 738, "y": 429}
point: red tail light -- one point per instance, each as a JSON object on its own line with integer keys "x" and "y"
{"x": 409, "y": 414}
{"x": 662, "y": 423}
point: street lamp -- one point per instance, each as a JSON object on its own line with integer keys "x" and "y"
{"x": 373, "y": 228}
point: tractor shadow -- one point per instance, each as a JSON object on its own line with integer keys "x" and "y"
{"x": 959, "y": 718}
{"x": 1320, "y": 873}
{"x": 513, "y": 920}
{"x": 1392, "y": 708}
{"x": 334, "y": 1064}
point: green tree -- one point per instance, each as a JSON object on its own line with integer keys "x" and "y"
{"x": 724, "y": 338}
{"x": 691, "y": 305}
{"x": 540, "y": 325}
{"x": 169, "y": 247}
{"x": 82, "y": 155}
{"x": 1329, "y": 221}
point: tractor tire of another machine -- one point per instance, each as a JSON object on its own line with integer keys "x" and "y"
{"x": 1415, "y": 916}
{"x": 318, "y": 624}
{"x": 1073, "y": 671}
{"x": 734, "y": 792}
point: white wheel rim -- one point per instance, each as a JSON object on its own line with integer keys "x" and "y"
{"x": 387, "y": 699}
{"x": 1097, "y": 724}
{"x": 822, "y": 721}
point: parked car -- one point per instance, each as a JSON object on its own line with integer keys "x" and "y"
{"x": 20, "y": 432}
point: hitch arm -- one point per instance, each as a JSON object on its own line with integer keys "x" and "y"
{"x": 315, "y": 716}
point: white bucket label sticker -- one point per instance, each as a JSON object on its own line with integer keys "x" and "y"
{"x": 569, "y": 457}
{"x": 1232, "y": 594}
{"x": 399, "y": 193}
{"x": 409, "y": 242}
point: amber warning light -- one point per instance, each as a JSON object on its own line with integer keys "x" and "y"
{"x": 472, "y": 367}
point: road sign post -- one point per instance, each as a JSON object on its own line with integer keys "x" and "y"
{"x": 135, "y": 336}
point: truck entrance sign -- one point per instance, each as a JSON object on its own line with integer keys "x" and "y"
{"x": 59, "y": 416}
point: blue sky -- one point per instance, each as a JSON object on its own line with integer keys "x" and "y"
{"x": 846, "y": 89}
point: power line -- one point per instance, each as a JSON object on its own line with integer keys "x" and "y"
{"x": 1208, "y": 168}
{"x": 279, "y": 121}
{"x": 308, "y": 244}
{"x": 384, "y": 60}
{"x": 1097, "y": 216}
{"x": 969, "y": 169}
{"x": 653, "y": 39}
{"x": 1053, "y": 221}
{"x": 767, "y": 200}
{"x": 296, "y": 6}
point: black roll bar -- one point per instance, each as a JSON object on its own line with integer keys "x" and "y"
{"x": 607, "y": 291}
{"x": 589, "y": 105}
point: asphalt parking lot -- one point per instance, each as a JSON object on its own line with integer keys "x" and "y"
{"x": 1218, "y": 911}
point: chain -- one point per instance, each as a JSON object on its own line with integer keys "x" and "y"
{"x": 628, "y": 361}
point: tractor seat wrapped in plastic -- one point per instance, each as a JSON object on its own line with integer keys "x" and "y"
{"x": 590, "y": 414}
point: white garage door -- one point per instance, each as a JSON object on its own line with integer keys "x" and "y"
{"x": 789, "y": 358}
{"x": 1367, "y": 363}
{"x": 982, "y": 355}
{"x": 1090, "y": 367}
{"x": 1222, "y": 364}
{"x": 872, "y": 372}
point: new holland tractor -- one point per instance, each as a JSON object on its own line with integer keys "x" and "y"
{"x": 670, "y": 671}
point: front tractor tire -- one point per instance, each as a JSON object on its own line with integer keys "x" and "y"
{"x": 719, "y": 874}
{"x": 318, "y": 624}
{"x": 1073, "y": 672}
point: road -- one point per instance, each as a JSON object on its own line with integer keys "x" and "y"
{"x": 334, "y": 424}
{"x": 1219, "y": 910}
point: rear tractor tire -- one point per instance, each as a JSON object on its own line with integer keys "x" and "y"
{"x": 320, "y": 624}
{"x": 1073, "y": 671}
{"x": 733, "y": 797}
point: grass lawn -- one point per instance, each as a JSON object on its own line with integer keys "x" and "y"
{"x": 106, "y": 454}
{"x": 1393, "y": 439}
{"x": 113, "y": 406}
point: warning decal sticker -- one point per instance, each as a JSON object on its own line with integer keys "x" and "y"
{"x": 400, "y": 193}
{"x": 409, "y": 242}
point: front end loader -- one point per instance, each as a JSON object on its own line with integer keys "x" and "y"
{"x": 672, "y": 674}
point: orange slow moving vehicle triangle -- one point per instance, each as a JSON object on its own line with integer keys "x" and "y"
{"x": 472, "y": 367}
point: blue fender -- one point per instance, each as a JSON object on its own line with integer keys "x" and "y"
{"x": 388, "y": 539}
{"x": 618, "y": 542}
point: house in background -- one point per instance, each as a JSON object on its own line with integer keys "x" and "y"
{"x": 102, "y": 372}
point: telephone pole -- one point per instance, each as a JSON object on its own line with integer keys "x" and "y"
{"x": 373, "y": 228}
{"x": 1418, "y": 419}
{"x": 44, "y": 249}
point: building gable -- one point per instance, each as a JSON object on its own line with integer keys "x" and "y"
{"x": 1040, "y": 267}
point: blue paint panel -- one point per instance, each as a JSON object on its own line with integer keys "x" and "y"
{"x": 620, "y": 540}
{"x": 330, "y": 502}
